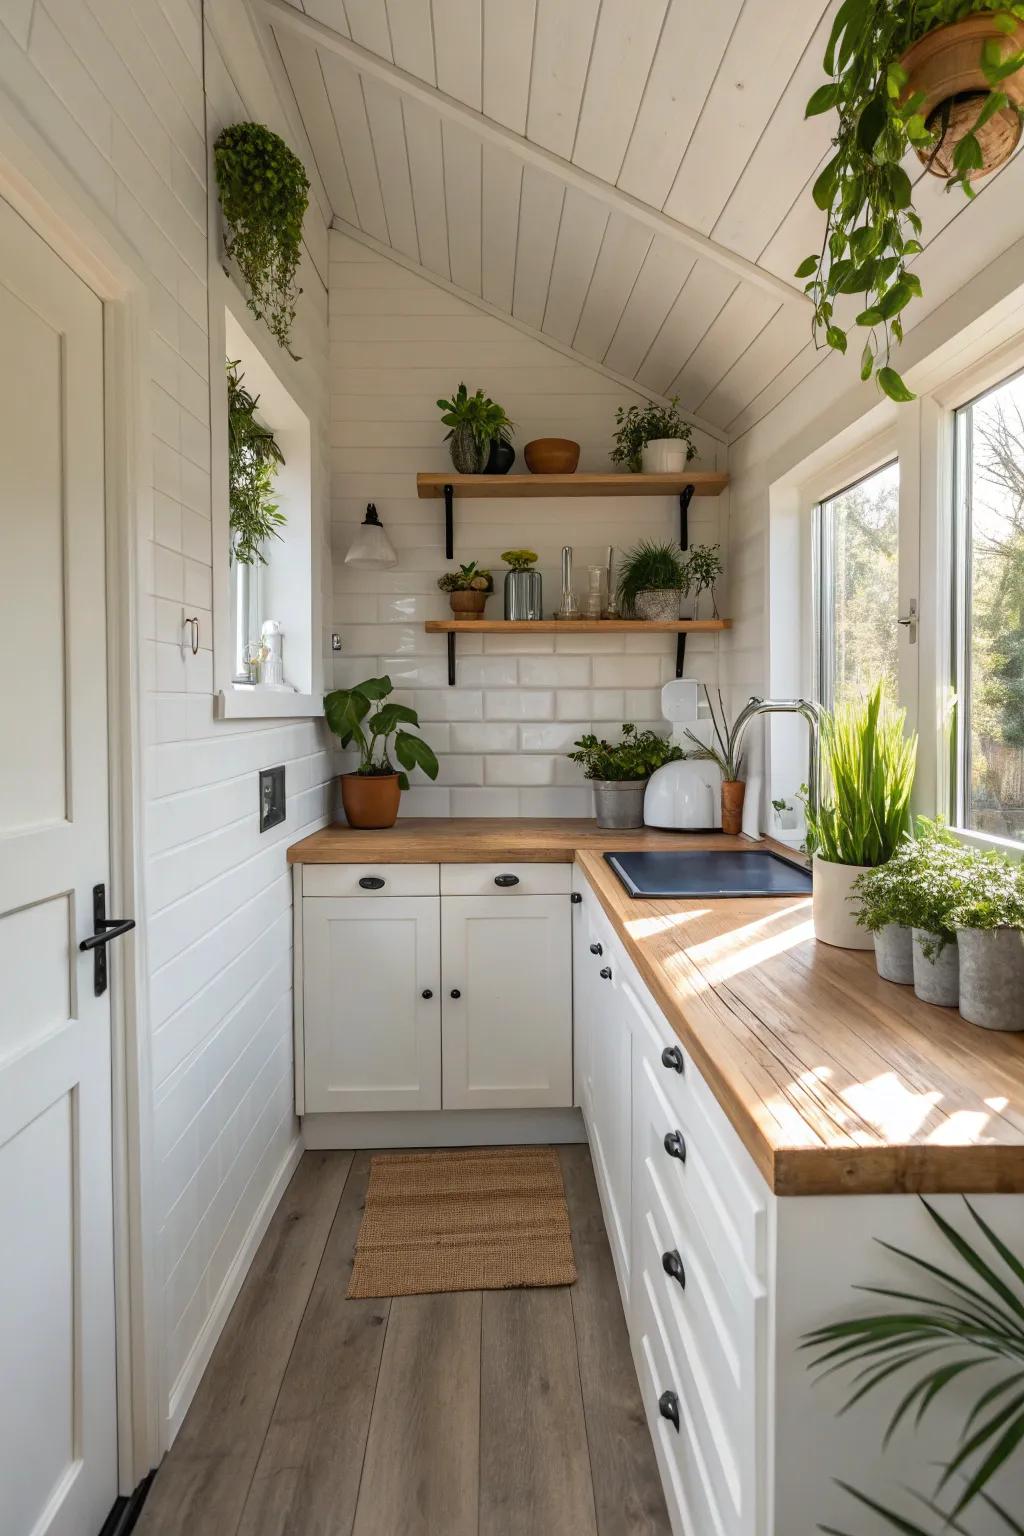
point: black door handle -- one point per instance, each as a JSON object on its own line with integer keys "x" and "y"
{"x": 575, "y": 898}
{"x": 672, "y": 1264}
{"x": 597, "y": 949}
{"x": 506, "y": 880}
{"x": 675, "y": 1145}
{"x": 668, "y": 1407}
{"x": 104, "y": 929}
{"x": 426, "y": 993}
{"x": 372, "y": 883}
{"x": 455, "y": 992}
{"x": 605, "y": 973}
{"x": 672, "y": 1057}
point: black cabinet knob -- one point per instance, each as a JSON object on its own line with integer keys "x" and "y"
{"x": 575, "y": 898}
{"x": 597, "y": 949}
{"x": 672, "y": 1264}
{"x": 675, "y": 1145}
{"x": 505, "y": 880}
{"x": 455, "y": 992}
{"x": 606, "y": 972}
{"x": 372, "y": 883}
{"x": 672, "y": 1057}
{"x": 668, "y": 1407}
{"x": 427, "y": 993}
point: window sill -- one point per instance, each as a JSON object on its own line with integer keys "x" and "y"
{"x": 248, "y": 703}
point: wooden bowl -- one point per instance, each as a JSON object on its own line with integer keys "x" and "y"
{"x": 552, "y": 456}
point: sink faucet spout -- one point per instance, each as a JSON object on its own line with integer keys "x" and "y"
{"x": 811, "y": 713}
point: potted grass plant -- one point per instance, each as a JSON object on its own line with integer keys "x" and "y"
{"x": 989, "y": 925}
{"x": 619, "y": 772}
{"x": 863, "y": 813}
{"x": 371, "y": 793}
{"x": 653, "y": 578}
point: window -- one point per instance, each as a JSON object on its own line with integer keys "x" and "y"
{"x": 857, "y": 587}
{"x": 988, "y": 613}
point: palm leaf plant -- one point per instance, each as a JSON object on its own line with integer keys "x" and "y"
{"x": 972, "y": 1319}
{"x": 869, "y": 762}
{"x": 347, "y": 711}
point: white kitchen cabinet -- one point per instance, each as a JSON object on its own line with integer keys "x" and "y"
{"x": 609, "y": 1119}
{"x": 506, "y": 1022}
{"x": 371, "y": 1002}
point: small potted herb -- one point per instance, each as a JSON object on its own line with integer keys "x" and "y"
{"x": 887, "y": 904}
{"x": 936, "y": 870}
{"x": 468, "y": 589}
{"x": 619, "y": 772}
{"x": 370, "y": 795}
{"x": 475, "y": 422}
{"x": 703, "y": 570}
{"x": 523, "y": 586}
{"x": 989, "y": 924}
{"x": 653, "y": 438}
{"x": 652, "y": 579}
{"x": 724, "y": 752}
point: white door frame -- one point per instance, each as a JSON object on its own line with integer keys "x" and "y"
{"x": 40, "y": 188}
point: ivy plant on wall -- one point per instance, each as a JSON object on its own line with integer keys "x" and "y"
{"x": 253, "y": 458}
{"x": 264, "y": 192}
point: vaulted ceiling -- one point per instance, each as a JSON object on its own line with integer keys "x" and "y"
{"x": 630, "y": 178}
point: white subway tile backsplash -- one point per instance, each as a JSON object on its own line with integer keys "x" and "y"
{"x": 554, "y": 671}
{"x": 590, "y": 645}
{"x": 643, "y": 704}
{"x": 389, "y": 640}
{"x": 485, "y": 802}
{"x": 628, "y": 671}
{"x": 556, "y": 737}
{"x": 487, "y": 671}
{"x": 467, "y": 736}
{"x": 519, "y": 645}
{"x": 596, "y": 704}
{"x": 556, "y": 802}
{"x": 533, "y": 704}
{"x": 415, "y": 671}
{"x": 449, "y": 704}
{"x": 426, "y": 800}
{"x": 519, "y": 768}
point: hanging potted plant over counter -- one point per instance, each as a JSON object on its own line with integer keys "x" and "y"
{"x": 468, "y": 589}
{"x": 478, "y": 430}
{"x": 652, "y": 580}
{"x": 371, "y": 794}
{"x": 619, "y": 772}
{"x": 943, "y": 78}
{"x": 523, "y": 586}
{"x": 652, "y": 438}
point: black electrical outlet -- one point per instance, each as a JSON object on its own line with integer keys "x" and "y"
{"x": 272, "y": 806}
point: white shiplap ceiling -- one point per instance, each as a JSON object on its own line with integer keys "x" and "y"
{"x": 630, "y": 178}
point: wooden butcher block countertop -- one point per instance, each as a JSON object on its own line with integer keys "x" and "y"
{"x": 837, "y": 1082}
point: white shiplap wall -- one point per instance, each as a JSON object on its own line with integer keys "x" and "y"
{"x": 117, "y": 91}
{"x": 398, "y": 342}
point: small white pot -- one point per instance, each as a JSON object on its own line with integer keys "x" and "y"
{"x": 664, "y": 456}
{"x": 992, "y": 977}
{"x": 936, "y": 980}
{"x": 835, "y": 915}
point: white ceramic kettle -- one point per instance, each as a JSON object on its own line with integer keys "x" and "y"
{"x": 684, "y": 796}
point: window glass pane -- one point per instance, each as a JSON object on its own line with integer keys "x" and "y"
{"x": 858, "y": 587}
{"x": 990, "y": 611}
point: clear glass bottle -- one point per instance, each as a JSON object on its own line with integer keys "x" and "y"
{"x": 595, "y": 592}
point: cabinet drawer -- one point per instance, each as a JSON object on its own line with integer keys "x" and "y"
{"x": 505, "y": 879}
{"x": 361, "y": 880}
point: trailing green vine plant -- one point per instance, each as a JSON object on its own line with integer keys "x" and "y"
{"x": 264, "y": 192}
{"x": 872, "y": 231}
{"x": 253, "y": 459}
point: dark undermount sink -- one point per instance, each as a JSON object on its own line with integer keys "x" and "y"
{"x": 709, "y": 872}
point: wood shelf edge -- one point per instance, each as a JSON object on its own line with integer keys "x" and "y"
{"x": 431, "y": 484}
{"x": 575, "y": 626}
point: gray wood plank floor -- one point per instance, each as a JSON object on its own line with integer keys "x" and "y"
{"x": 502, "y": 1413}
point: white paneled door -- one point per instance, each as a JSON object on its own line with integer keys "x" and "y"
{"x": 58, "y": 1432}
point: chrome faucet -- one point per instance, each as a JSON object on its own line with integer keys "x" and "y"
{"x": 811, "y": 713}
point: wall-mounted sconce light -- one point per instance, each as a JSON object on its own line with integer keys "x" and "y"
{"x": 371, "y": 548}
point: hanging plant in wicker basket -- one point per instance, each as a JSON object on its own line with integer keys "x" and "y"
{"x": 264, "y": 192}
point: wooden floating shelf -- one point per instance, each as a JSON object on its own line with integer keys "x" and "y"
{"x": 678, "y": 627}
{"x": 704, "y": 482}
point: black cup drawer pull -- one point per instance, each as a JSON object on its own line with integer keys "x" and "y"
{"x": 605, "y": 973}
{"x": 426, "y": 994}
{"x": 668, "y": 1407}
{"x": 672, "y": 1264}
{"x": 372, "y": 883}
{"x": 506, "y": 880}
{"x": 675, "y": 1145}
{"x": 597, "y": 949}
{"x": 455, "y": 992}
{"x": 672, "y": 1057}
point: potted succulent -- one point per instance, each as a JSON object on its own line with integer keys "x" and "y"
{"x": 989, "y": 924}
{"x": 704, "y": 569}
{"x": 724, "y": 751}
{"x": 619, "y": 772}
{"x": 868, "y": 767}
{"x": 475, "y": 423}
{"x": 653, "y": 438}
{"x": 370, "y": 795}
{"x": 652, "y": 579}
{"x": 468, "y": 589}
{"x": 523, "y": 585}
{"x": 944, "y": 79}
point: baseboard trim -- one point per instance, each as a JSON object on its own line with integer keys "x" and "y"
{"x": 443, "y": 1128}
{"x": 191, "y": 1373}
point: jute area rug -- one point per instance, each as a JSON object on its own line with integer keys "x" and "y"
{"x": 475, "y": 1219}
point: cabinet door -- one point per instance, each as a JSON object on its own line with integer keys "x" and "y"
{"x": 507, "y": 1035}
{"x": 372, "y": 1039}
{"x": 611, "y": 1120}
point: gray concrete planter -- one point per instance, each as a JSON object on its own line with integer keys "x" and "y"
{"x": 936, "y": 980}
{"x": 619, "y": 803}
{"x": 894, "y": 954}
{"x": 992, "y": 977}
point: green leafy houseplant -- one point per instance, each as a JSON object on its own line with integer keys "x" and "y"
{"x": 642, "y": 424}
{"x": 264, "y": 192}
{"x": 635, "y": 757}
{"x": 474, "y": 422}
{"x": 253, "y": 458}
{"x": 347, "y": 711}
{"x": 890, "y": 892}
{"x": 704, "y": 569}
{"x": 468, "y": 578}
{"x": 872, "y": 231}
{"x": 973, "y": 1319}
{"x": 520, "y": 559}
{"x": 868, "y": 765}
{"x": 995, "y": 898}
{"x": 651, "y": 567}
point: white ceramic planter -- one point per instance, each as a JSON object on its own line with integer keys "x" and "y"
{"x": 664, "y": 456}
{"x": 835, "y": 915}
{"x": 894, "y": 954}
{"x": 936, "y": 980}
{"x": 992, "y": 977}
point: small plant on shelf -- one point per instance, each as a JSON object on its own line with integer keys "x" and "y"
{"x": 520, "y": 559}
{"x": 253, "y": 460}
{"x": 468, "y": 589}
{"x": 652, "y": 579}
{"x": 371, "y": 792}
{"x": 704, "y": 570}
{"x": 264, "y": 192}
{"x": 474, "y": 423}
{"x": 638, "y": 425}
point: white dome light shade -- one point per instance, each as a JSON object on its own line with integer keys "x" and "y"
{"x": 371, "y": 549}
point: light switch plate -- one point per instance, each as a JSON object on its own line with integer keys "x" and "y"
{"x": 335, "y": 641}
{"x": 272, "y": 800}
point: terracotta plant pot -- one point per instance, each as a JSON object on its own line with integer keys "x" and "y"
{"x": 946, "y": 66}
{"x": 468, "y": 605}
{"x": 552, "y": 456}
{"x": 370, "y": 800}
{"x": 733, "y": 791}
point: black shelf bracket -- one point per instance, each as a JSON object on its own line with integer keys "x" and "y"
{"x": 685, "y": 497}
{"x": 449, "y": 526}
{"x": 451, "y": 658}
